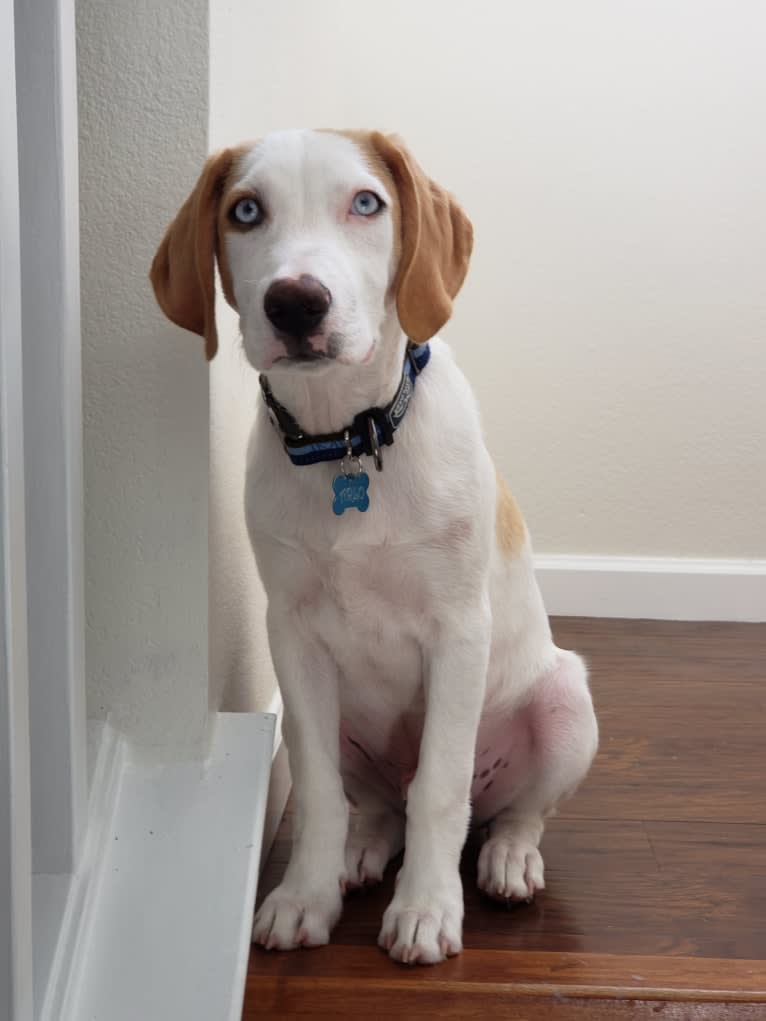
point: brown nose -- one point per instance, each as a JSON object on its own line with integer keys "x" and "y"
{"x": 296, "y": 306}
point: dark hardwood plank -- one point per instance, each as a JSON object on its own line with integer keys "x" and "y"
{"x": 534, "y": 972}
{"x": 656, "y": 870}
{"x": 330, "y": 1004}
{"x": 635, "y": 889}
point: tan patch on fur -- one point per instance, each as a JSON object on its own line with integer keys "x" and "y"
{"x": 433, "y": 237}
{"x": 436, "y": 242}
{"x": 510, "y": 529}
{"x": 183, "y": 270}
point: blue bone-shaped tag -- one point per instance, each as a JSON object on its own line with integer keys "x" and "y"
{"x": 350, "y": 491}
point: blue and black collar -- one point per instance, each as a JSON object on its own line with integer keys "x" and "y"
{"x": 370, "y": 430}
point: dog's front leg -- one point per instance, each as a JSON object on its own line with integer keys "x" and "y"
{"x": 302, "y": 910}
{"x": 423, "y": 923}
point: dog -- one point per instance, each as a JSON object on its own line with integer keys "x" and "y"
{"x": 422, "y": 688}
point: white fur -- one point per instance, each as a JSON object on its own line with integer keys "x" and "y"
{"x": 407, "y": 624}
{"x": 306, "y": 182}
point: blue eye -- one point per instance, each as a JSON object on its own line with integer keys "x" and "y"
{"x": 366, "y": 203}
{"x": 247, "y": 212}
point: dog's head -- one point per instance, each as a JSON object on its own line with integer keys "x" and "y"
{"x": 321, "y": 238}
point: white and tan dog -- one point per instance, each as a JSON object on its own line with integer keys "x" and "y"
{"x": 420, "y": 680}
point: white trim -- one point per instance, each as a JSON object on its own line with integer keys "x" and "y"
{"x": 50, "y": 290}
{"x": 160, "y": 925}
{"x": 109, "y": 760}
{"x": 16, "y": 962}
{"x": 658, "y": 588}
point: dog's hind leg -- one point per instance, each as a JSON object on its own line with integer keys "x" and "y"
{"x": 375, "y": 834}
{"x": 562, "y": 736}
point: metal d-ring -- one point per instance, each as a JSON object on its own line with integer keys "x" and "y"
{"x": 374, "y": 445}
{"x": 350, "y": 464}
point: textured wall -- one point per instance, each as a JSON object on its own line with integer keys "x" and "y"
{"x": 143, "y": 86}
{"x": 612, "y": 158}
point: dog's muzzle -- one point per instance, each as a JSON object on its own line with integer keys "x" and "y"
{"x": 296, "y": 308}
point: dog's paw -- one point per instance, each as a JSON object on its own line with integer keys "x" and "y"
{"x": 293, "y": 917}
{"x": 510, "y": 869}
{"x": 373, "y": 839}
{"x": 366, "y": 860}
{"x": 425, "y": 927}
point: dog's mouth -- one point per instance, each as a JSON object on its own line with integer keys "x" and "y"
{"x": 309, "y": 352}
{"x": 303, "y": 358}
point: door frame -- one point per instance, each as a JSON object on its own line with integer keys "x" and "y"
{"x": 43, "y": 740}
{"x": 15, "y": 809}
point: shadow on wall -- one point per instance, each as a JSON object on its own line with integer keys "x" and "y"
{"x": 241, "y": 672}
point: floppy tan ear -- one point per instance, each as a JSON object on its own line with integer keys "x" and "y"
{"x": 182, "y": 272}
{"x": 436, "y": 240}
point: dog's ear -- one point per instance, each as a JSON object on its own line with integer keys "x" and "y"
{"x": 436, "y": 243}
{"x": 182, "y": 272}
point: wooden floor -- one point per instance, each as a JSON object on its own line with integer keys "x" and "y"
{"x": 655, "y": 905}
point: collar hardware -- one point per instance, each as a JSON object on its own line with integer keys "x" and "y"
{"x": 377, "y": 457}
{"x": 370, "y": 430}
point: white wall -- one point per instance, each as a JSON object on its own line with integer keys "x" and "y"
{"x": 143, "y": 85}
{"x": 613, "y": 159}
{"x": 614, "y": 320}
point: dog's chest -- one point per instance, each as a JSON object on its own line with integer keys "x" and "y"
{"x": 372, "y": 612}
{"x": 370, "y": 608}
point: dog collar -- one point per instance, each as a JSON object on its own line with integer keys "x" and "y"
{"x": 370, "y": 430}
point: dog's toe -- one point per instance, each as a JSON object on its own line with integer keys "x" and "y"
{"x": 510, "y": 869}
{"x": 422, "y": 930}
{"x": 293, "y": 918}
{"x": 365, "y": 863}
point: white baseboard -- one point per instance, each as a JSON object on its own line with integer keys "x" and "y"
{"x": 657, "y": 588}
{"x": 105, "y": 764}
{"x": 158, "y": 924}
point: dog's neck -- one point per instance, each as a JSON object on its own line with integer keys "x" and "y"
{"x": 328, "y": 400}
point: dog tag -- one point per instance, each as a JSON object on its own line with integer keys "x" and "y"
{"x": 350, "y": 487}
